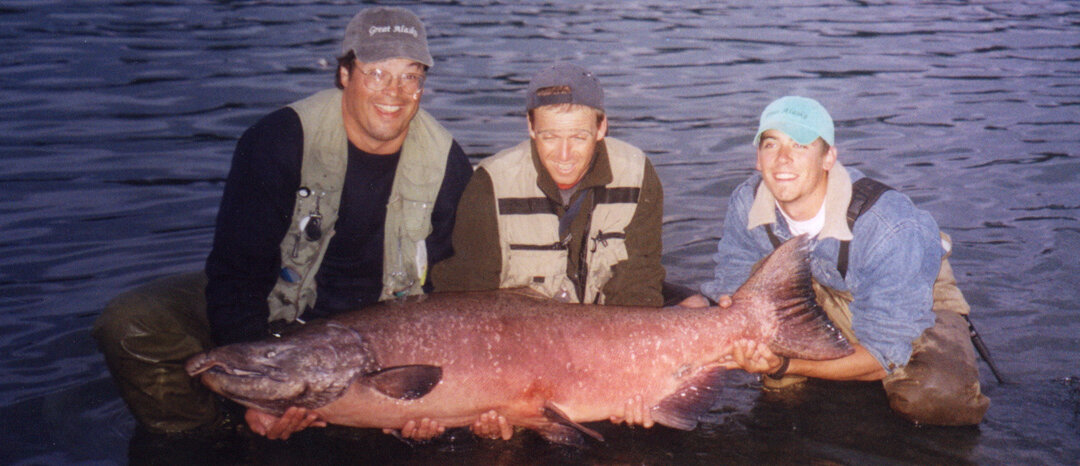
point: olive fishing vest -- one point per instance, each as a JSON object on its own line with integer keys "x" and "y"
{"x": 532, "y": 253}
{"x": 408, "y": 212}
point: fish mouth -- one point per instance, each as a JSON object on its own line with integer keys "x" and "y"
{"x": 207, "y": 366}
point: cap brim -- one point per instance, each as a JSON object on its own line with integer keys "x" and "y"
{"x": 799, "y": 133}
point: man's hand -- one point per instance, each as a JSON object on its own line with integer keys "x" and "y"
{"x": 292, "y": 421}
{"x": 635, "y": 413}
{"x": 694, "y": 301}
{"x": 426, "y": 429}
{"x": 752, "y": 357}
{"x": 492, "y": 425}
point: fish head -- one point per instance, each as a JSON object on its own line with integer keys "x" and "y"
{"x": 308, "y": 368}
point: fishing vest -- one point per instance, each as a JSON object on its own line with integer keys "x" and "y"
{"x": 416, "y": 185}
{"x": 532, "y": 253}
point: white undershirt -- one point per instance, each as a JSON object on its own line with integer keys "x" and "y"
{"x": 811, "y": 227}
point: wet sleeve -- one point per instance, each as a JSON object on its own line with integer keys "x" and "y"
{"x": 892, "y": 278}
{"x": 737, "y": 251}
{"x": 253, "y": 217}
{"x": 477, "y": 260}
{"x": 638, "y": 280}
{"x": 458, "y": 173}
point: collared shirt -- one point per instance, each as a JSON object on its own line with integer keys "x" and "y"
{"x": 895, "y": 255}
{"x": 810, "y": 227}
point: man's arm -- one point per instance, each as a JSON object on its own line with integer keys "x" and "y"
{"x": 443, "y": 217}
{"x": 477, "y": 260}
{"x": 254, "y": 216}
{"x": 638, "y": 280}
{"x": 893, "y": 268}
{"x": 737, "y": 251}
{"x": 756, "y": 358}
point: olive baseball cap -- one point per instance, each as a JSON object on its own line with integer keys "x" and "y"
{"x": 382, "y": 33}
{"x": 584, "y": 87}
{"x": 802, "y": 119}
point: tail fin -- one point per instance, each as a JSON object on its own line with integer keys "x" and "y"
{"x": 783, "y": 286}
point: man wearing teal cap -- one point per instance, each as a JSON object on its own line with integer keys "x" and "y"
{"x": 879, "y": 267}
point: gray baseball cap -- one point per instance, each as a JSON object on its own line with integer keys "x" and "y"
{"x": 584, "y": 87}
{"x": 381, "y": 33}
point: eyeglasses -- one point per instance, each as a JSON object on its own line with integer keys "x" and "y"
{"x": 378, "y": 80}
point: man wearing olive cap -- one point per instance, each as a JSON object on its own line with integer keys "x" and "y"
{"x": 570, "y": 212}
{"x": 333, "y": 203}
{"x": 883, "y": 277}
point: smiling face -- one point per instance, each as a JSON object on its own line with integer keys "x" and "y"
{"x": 796, "y": 174}
{"x": 377, "y": 121}
{"x": 565, "y": 138}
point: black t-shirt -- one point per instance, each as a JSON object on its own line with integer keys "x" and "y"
{"x": 256, "y": 209}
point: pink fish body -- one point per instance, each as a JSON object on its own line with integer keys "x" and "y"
{"x": 544, "y": 365}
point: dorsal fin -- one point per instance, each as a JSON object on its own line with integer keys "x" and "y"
{"x": 405, "y": 382}
{"x": 784, "y": 284}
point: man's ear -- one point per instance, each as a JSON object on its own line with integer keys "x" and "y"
{"x": 343, "y": 76}
{"x": 830, "y": 159}
{"x": 601, "y": 132}
{"x": 529, "y": 123}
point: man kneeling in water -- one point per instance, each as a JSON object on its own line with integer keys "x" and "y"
{"x": 881, "y": 274}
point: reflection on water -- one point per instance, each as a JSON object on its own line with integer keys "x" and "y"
{"x": 119, "y": 121}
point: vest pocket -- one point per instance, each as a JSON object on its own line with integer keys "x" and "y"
{"x": 541, "y": 269}
{"x": 415, "y": 215}
{"x": 605, "y": 250}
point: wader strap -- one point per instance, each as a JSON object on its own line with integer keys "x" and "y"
{"x": 864, "y": 193}
{"x": 772, "y": 236}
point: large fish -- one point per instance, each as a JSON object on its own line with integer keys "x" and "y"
{"x": 544, "y": 365}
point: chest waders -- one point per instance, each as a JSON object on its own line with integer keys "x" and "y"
{"x": 408, "y": 212}
{"x": 940, "y": 383}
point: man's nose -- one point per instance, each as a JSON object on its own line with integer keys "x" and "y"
{"x": 565, "y": 150}
{"x": 392, "y": 86}
{"x": 784, "y": 153}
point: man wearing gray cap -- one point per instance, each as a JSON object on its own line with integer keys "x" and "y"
{"x": 333, "y": 203}
{"x": 570, "y": 212}
{"x": 879, "y": 268}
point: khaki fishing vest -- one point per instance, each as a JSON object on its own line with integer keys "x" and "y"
{"x": 408, "y": 213}
{"x": 532, "y": 254}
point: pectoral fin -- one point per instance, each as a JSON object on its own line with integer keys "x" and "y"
{"x": 564, "y": 430}
{"x": 405, "y": 382}
{"x": 691, "y": 402}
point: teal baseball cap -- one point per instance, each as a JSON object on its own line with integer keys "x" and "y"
{"x": 802, "y": 119}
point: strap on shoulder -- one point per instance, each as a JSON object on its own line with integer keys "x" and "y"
{"x": 864, "y": 193}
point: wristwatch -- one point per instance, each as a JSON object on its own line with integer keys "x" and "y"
{"x": 779, "y": 374}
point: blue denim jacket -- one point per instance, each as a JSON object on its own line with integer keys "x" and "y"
{"x": 894, "y": 259}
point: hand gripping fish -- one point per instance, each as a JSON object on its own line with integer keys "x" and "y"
{"x": 544, "y": 365}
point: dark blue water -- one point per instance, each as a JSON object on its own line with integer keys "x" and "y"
{"x": 118, "y": 121}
